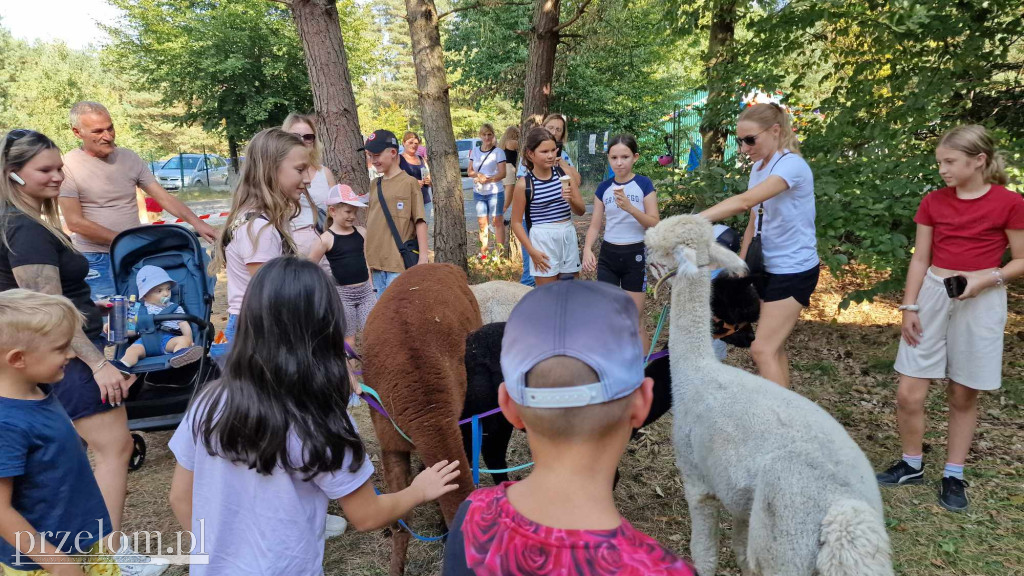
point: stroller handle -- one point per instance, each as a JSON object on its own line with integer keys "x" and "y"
{"x": 158, "y": 318}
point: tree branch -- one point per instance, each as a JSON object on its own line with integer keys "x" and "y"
{"x": 579, "y": 12}
{"x": 483, "y": 4}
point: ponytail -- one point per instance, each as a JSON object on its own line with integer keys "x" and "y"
{"x": 974, "y": 140}
{"x": 768, "y": 115}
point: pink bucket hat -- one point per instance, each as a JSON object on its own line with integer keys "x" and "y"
{"x": 343, "y": 194}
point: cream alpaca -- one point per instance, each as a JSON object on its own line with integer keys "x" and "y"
{"x": 802, "y": 496}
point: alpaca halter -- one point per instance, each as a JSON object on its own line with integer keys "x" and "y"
{"x": 701, "y": 266}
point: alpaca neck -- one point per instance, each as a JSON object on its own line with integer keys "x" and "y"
{"x": 690, "y": 338}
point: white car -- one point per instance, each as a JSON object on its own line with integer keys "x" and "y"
{"x": 465, "y": 146}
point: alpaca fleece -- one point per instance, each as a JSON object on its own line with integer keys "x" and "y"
{"x": 415, "y": 345}
{"x": 802, "y": 496}
{"x": 497, "y": 299}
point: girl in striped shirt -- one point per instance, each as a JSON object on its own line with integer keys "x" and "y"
{"x": 548, "y": 198}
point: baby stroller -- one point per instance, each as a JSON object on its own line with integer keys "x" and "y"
{"x": 159, "y": 398}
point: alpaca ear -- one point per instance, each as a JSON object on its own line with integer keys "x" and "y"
{"x": 686, "y": 257}
{"x": 727, "y": 260}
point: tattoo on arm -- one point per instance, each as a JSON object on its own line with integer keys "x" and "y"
{"x": 46, "y": 279}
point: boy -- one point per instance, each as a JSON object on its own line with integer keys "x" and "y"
{"x": 47, "y": 488}
{"x": 574, "y": 379}
{"x": 405, "y": 205}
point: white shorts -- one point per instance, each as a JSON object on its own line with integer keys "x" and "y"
{"x": 962, "y": 341}
{"x": 559, "y": 242}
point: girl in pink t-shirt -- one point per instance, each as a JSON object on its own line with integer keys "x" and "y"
{"x": 261, "y": 451}
{"x": 258, "y": 227}
{"x": 954, "y": 306}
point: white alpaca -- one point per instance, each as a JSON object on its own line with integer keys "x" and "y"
{"x": 497, "y": 299}
{"x": 802, "y": 496}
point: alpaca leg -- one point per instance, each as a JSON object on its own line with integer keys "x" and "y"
{"x": 784, "y": 524}
{"x": 739, "y": 542}
{"x": 497, "y": 435}
{"x": 704, "y": 528}
{"x": 396, "y": 474}
{"x": 445, "y": 444}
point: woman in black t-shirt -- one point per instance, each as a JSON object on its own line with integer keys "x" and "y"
{"x": 35, "y": 254}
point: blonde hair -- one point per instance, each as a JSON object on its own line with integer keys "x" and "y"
{"x": 258, "y": 194}
{"x": 85, "y": 107}
{"x": 412, "y": 134}
{"x": 560, "y": 118}
{"x": 29, "y": 317}
{"x": 511, "y": 133}
{"x": 768, "y": 115}
{"x": 486, "y": 127}
{"x": 15, "y": 152}
{"x": 974, "y": 140}
{"x": 315, "y": 153}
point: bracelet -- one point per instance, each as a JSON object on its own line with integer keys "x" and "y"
{"x": 910, "y": 307}
{"x": 999, "y": 277}
{"x": 99, "y": 366}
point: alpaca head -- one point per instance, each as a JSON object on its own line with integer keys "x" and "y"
{"x": 682, "y": 245}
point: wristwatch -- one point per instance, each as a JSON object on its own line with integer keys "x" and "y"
{"x": 910, "y": 307}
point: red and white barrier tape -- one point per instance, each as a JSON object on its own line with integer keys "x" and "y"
{"x": 203, "y": 217}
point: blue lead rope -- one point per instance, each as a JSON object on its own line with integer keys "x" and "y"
{"x": 410, "y": 531}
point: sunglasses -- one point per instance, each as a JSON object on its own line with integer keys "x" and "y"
{"x": 751, "y": 140}
{"x": 13, "y": 136}
{"x": 307, "y": 137}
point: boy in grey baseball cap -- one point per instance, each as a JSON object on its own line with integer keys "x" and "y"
{"x": 574, "y": 380}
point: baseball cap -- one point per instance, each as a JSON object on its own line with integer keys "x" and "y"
{"x": 150, "y": 277}
{"x": 380, "y": 141}
{"x": 343, "y": 194}
{"x": 593, "y": 322}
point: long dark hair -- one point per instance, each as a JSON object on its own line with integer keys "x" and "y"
{"x": 534, "y": 138}
{"x": 286, "y": 374}
{"x": 627, "y": 140}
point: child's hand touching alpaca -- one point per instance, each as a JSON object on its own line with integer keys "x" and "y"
{"x": 437, "y": 480}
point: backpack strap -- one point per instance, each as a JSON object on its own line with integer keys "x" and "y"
{"x": 529, "y": 200}
{"x": 149, "y": 331}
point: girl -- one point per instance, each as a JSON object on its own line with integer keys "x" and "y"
{"x": 487, "y": 169}
{"x": 962, "y": 230}
{"x": 630, "y": 205}
{"x": 415, "y": 164}
{"x": 545, "y": 202}
{"x": 320, "y": 177}
{"x": 342, "y": 243}
{"x": 35, "y": 254}
{"x": 262, "y": 450}
{"x": 258, "y": 228}
{"x": 780, "y": 199}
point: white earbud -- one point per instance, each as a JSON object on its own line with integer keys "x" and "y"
{"x": 17, "y": 179}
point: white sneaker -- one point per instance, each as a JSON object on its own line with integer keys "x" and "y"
{"x": 132, "y": 563}
{"x": 336, "y": 526}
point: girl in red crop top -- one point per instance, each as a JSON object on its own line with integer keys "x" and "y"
{"x": 962, "y": 230}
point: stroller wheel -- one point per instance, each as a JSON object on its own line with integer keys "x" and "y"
{"x": 138, "y": 452}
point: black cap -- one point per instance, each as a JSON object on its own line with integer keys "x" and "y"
{"x": 380, "y": 141}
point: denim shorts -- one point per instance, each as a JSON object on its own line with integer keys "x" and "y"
{"x": 78, "y": 391}
{"x": 490, "y": 205}
{"x": 101, "y": 277}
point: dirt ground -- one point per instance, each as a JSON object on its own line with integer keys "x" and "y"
{"x": 843, "y": 361}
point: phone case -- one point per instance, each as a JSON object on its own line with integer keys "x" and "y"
{"x": 955, "y": 286}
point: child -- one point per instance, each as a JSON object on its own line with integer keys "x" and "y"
{"x": 258, "y": 228}
{"x": 629, "y": 203}
{"x": 962, "y": 230}
{"x": 545, "y": 200}
{"x": 405, "y": 206}
{"x": 261, "y": 451}
{"x": 342, "y": 243}
{"x": 175, "y": 337}
{"x": 46, "y": 484}
{"x": 575, "y": 381}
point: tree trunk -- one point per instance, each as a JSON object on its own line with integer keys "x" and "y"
{"x": 335, "y": 104}
{"x": 719, "y": 110}
{"x": 428, "y": 57}
{"x": 540, "y": 68}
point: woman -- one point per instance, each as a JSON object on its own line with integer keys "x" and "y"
{"x": 555, "y": 123}
{"x": 509, "y": 143}
{"x": 320, "y": 177}
{"x": 780, "y": 199}
{"x": 487, "y": 169}
{"x": 415, "y": 164}
{"x": 35, "y": 254}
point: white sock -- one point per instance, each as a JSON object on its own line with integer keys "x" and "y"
{"x": 914, "y": 461}
{"x": 953, "y": 471}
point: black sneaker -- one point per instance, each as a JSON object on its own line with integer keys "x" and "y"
{"x": 899, "y": 474}
{"x": 953, "y": 495}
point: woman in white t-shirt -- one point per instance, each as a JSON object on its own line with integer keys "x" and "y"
{"x": 321, "y": 179}
{"x": 487, "y": 169}
{"x": 780, "y": 199}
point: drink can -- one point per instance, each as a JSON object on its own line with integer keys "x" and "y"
{"x": 116, "y": 332}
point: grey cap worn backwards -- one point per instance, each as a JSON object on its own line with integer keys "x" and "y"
{"x": 593, "y": 322}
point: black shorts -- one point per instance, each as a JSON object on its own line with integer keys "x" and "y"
{"x": 624, "y": 265}
{"x": 799, "y": 286}
{"x": 78, "y": 391}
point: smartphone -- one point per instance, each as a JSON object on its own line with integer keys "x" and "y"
{"x": 955, "y": 285}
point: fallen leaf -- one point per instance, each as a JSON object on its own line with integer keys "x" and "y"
{"x": 658, "y": 490}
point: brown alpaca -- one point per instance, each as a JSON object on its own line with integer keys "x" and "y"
{"x": 415, "y": 348}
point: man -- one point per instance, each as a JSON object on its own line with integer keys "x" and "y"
{"x": 97, "y": 197}
{"x": 404, "y": 203}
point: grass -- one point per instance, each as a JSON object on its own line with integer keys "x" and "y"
{"x": 843, "y": 361}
